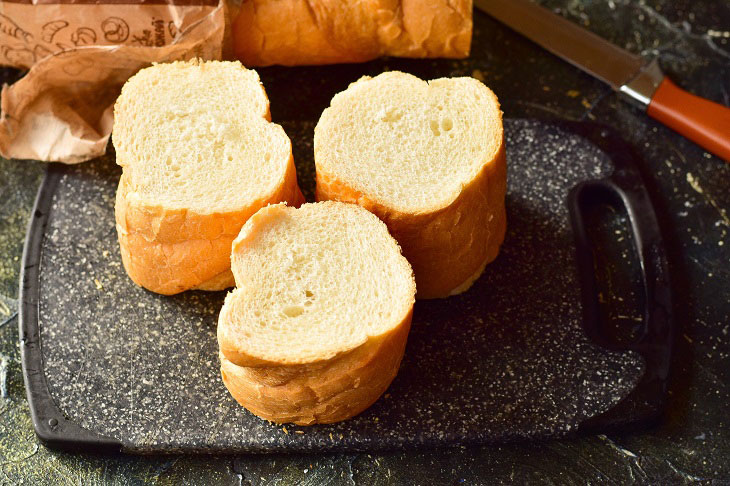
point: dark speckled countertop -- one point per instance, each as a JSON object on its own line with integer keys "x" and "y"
{"x": 691, "y": 189}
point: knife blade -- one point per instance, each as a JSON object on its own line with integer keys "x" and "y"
{"x": 638, "y": 80}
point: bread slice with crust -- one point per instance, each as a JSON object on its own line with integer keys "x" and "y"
{"x": 317, "y": 325}
{"x": 199, "y": 157}
{"x": 428, "y": 158}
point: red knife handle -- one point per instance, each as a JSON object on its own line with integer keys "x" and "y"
{"x": 702, "y": 121}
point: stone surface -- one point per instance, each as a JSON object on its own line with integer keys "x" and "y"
{"x": 689, "y": 186}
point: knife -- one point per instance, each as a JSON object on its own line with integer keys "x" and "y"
{"x": 637, "y": 80}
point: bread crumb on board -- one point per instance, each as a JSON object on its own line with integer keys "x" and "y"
{"x": 478, "y": 74}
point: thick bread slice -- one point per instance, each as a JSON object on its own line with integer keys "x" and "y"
{"x": 199, "y": 157}
{"x": 426, "y": 157}
{"x": 329, "y": 392}
{"x": 316, "y": 328}
{"x": 325, "y": 31}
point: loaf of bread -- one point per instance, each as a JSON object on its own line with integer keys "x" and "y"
{"x": 426, "y": 157}
{"x": 199, "y": 157}
{"x": 316, "y": 328}
{"x": 292, "y": 32}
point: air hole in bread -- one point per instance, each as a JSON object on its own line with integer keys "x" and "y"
{"x": 293, "y": 310}
{"x": 267, "y": 156}
{"x": 447, "y": 124}
{"x": 435, "y": 128}
{"x": 230, "y": 158}
{"x": 392, "y": 115}
{"x": 308, "y": 293}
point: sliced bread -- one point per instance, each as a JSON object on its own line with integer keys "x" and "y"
{"x": 316, "y": 328}
{"x": 199, "y": 157}
{"x": 426, "y": 157}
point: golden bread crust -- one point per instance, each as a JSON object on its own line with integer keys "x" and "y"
{"x": 323, "y": 392}
{"x": 295, "y": 32}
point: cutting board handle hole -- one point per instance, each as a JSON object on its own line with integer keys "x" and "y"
{"x": 612, "y": 281}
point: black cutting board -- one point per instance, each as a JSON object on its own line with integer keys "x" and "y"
{"x": 110, "y": 365}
